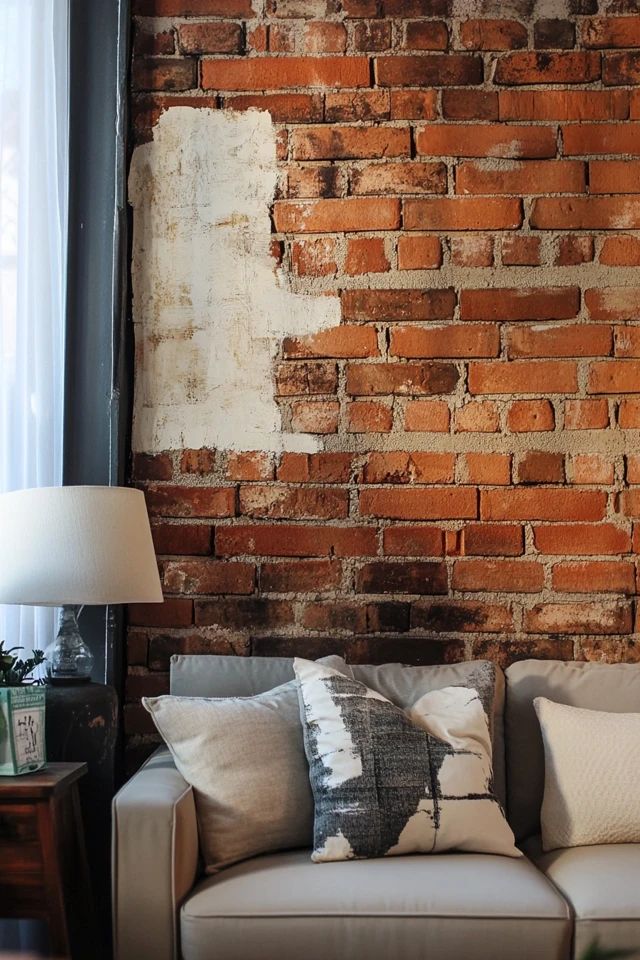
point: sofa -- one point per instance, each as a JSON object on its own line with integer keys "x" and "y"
{"x": 281, "y": 906}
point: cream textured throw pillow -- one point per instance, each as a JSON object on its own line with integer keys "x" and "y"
{"x": 244, "y": 758}
{"x": 592, "y": 776}
{"x": 388, "y": 781}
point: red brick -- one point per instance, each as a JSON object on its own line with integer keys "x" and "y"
{"x": 547, "y": 503}
{"x": 564, "y": 105}
{"x": 337, "y": 615}
{"x": 517, "y": 68}
{"x": 257, "y": 38}
{"x": 244, "y": 612}
{"x": 254, "y": 465}
{"x": 366, "y": 255}
{"x": 171, "y": 613}
{"x": 620, "y": 251}
{"x": 336, "y": 216}
{"x": 282, "y": 38}
{"x": 447, "y": 503}
{"x": 181, "y": 538}
{"x": 519, "y": 251}
{"x": 508, "y": 576}
{"x": 627, "y": 341}
{"x": 554, "y": 33}
{"x": 493, "y": 469}
{"x": 357, "y": 105}
{"x": 489, "y": 139}
{"x": 400, "y": 467}
{"x": 303, "y": 576}
{"x": 477, "y": 416}
{"x": 372, "y": 35}
{"x": 613, "y": 303}
{"x": 414, "y": 104}
{"x": 217, "y": 36}
{"x": 569, "y": 340}
{"x": 529, "y": 416}
{"x": 461, "y": 616}
{"x": 592, "y": 468}
{"x": 292, "y": 540}
{"x": 595, "y": 138}
{"x": 629, "y": 414}
{"x": 194, "y": 8}
{"x": 528, "y": 177}
{"x": 315, "y": 467}
{"x": 493, "y": 34}
{"x": 160, "y": 73}
{"x": 278, "y": 502}
{"x": 572, "y": 250}
{"x": 462, "y": 213}
{"x": 437, "y": 70}
{"x": 471, "y": 251}
{"x": 430, "y": 416}
{"x": 469, "y": 105}
{"x": 582, "y": 539}
{"x": 579, "y": 618}
{"x": 415, "y": 8}
{"x": 345, "y": 143}
{"x": 412, "y": 379}
{"x": 368, "y": 416}
{"x": 611, "y": 32}
{"x": 630, "y": 503}
{"x": 283, "y": 107}
{"x": 614, "y": 176}
{"x": 276, "y": 73}
{"x": 632, "y": 467}
{"x": 303, "y": 378}
{"x": 586, "y": 415}
{"x": 586, "y": 213}
{"x": 170, "y": 500}
{"x": 396, "y": 178}
{"x": 208, "y": 576}
{"x": 314, "y": 258}
{"x": 520, "y": 303}
{"x": 541, "y": 466}
{"x": 200, "y": 462}
{"x": 304, "y": 182}
{"x": 455, "y": 340}
{"x": 492, "y": 540}
{"x": 414, "y": 304}
{"x": 417, "y": 577}
{"x": 426, "y": 35}
{"x": 614, "y": 376}
{"x": 413, "y": 542}
{"x": 146, "y": 43}
{"x": 621, "y": 68}
{"x": 523, "y": 376}
{"x": 348, "y": 340}
{"x": 419, "y": 253}
{"x": 328, "y": 37}
{"x": 319, "y": 416}
{"x": 148, "y": 466}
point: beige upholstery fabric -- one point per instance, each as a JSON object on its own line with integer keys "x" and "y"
{"x": 601, "y": 883}
{"x": 449, "y": 907}
{"x": 594, "y": 686}
{"x": 592, "y": 773}
{"x": 155, "y": 859}
{"x": 220, "y": 676}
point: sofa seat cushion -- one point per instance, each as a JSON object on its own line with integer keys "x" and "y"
{"x": 601, "y": 883}
{"x": 284, "y": 907}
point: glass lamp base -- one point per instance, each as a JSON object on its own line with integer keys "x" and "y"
{"x": 68, "y": 659}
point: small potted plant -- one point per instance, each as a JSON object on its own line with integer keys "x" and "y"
{"x": 22, "y": 702}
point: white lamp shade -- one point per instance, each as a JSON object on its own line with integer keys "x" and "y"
{"x": 76, "y": 545}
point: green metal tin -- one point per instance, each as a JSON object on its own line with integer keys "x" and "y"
{"x": 22, "y": 733}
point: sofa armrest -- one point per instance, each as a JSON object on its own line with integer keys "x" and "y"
{"x": 155, "y": 860}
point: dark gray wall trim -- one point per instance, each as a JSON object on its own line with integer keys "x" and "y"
{"x": 98, "y": 358}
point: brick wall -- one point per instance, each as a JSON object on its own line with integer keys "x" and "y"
{"x": 465, "y": 177}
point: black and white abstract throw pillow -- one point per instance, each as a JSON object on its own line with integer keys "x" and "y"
{"x": 387, "y": 781}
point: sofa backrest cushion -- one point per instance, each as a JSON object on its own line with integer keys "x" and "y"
{"x": 614, "y": 688}
{"x": 220, "y": 676}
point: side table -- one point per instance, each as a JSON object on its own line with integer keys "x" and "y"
{"x": 43, "y": 863}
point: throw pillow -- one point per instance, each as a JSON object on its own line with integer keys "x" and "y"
{"x": 244, "y": 758}
{"x": 592, "y": 764}
{"x": 388, "y": 782}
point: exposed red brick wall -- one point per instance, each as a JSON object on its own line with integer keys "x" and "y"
{"x": 469, "y": 185}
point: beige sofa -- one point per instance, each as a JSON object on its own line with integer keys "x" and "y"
{"x": 454, "y": 906}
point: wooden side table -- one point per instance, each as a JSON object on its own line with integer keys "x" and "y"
{"x": 43, "y": 863}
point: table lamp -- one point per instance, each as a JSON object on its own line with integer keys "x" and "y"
{"x": 73, "y": 546}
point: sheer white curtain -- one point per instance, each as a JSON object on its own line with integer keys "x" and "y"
{"x": 33, "y": 240}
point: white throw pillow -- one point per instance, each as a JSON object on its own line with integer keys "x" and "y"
{"x": 387, "y": 781}
{"x": 244, "y": 758}
{"x": 592, "y": 776}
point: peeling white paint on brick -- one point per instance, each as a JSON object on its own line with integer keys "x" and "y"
{"x": 209, "y": 309}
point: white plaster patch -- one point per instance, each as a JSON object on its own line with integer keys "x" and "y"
{"x": 209, "y": 309}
